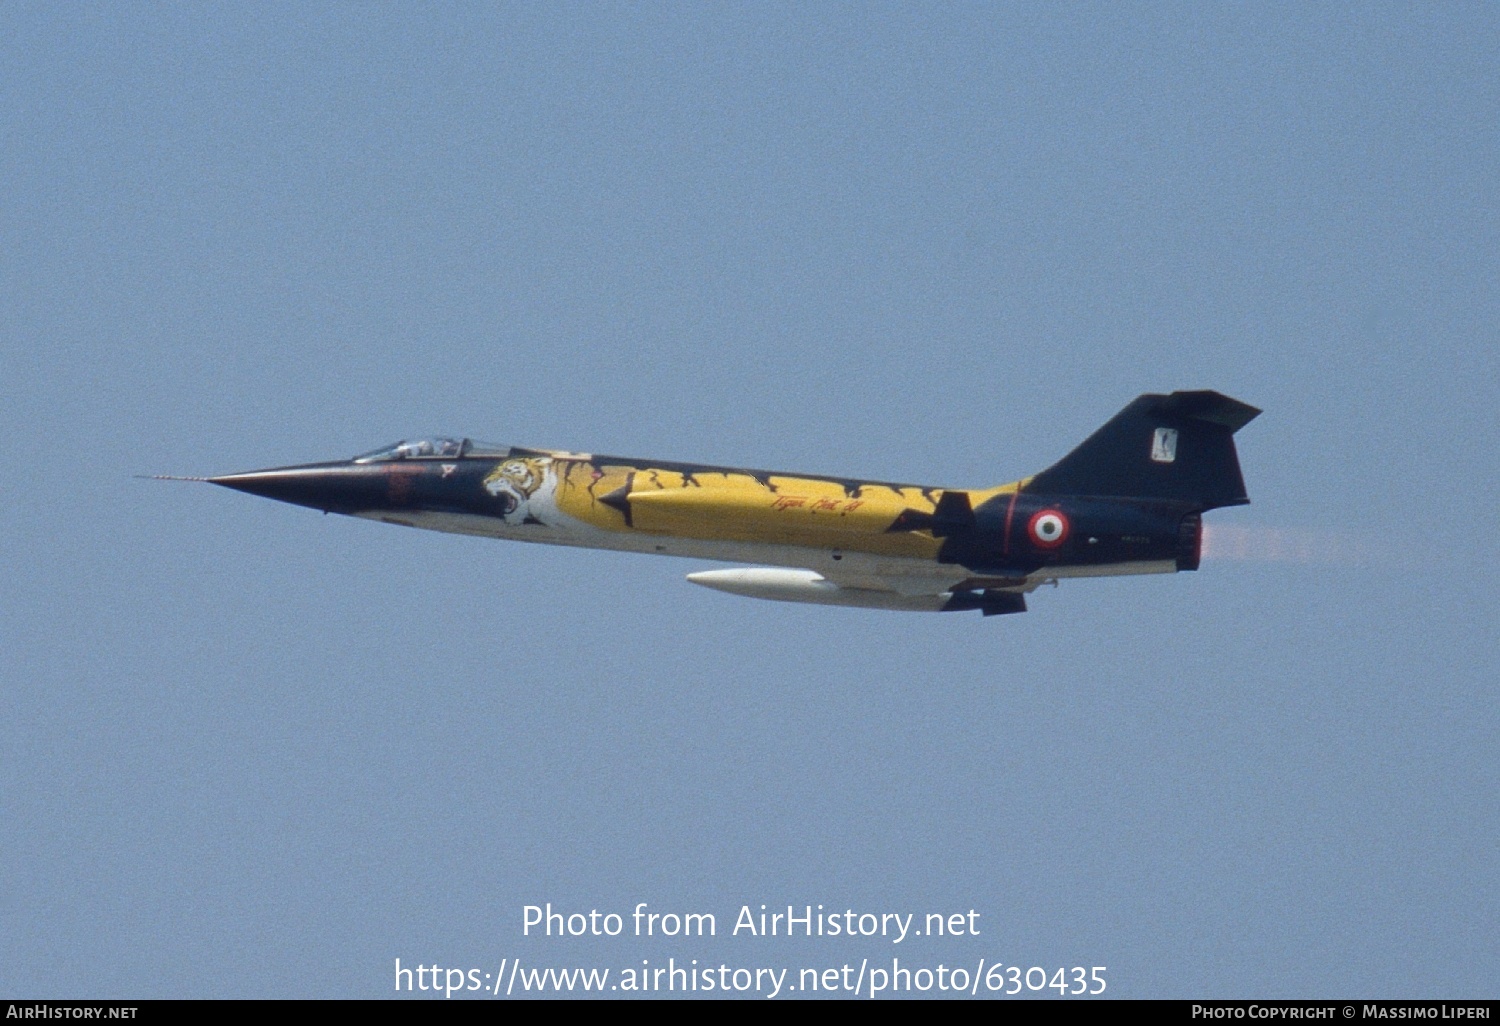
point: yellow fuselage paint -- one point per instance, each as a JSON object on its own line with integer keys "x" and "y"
{"x": 717, "y": 504}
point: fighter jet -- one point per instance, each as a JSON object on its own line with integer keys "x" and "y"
{"x": 1129, "y": 500}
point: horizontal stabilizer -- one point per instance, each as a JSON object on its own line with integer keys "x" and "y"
{"x": 1213, "y": 407}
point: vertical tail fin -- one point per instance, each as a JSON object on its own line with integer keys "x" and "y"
{"x": 1178, "y": 447}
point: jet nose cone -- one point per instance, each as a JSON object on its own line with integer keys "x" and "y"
{"x": 336, "y": 488}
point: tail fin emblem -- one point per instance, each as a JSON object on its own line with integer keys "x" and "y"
{"x": 1164, "y": 445}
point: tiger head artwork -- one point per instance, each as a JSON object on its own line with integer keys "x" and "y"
{"x": 514, "y": 482}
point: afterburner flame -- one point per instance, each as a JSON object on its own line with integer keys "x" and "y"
{"x": 1284, "y": 545}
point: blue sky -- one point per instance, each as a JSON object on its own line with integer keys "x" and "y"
{"x": 250, "y": 751}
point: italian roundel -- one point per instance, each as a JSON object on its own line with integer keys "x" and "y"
{"x": 1048, "y": 528}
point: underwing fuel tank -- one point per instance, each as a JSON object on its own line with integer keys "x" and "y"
{"x": 781, "y": 585}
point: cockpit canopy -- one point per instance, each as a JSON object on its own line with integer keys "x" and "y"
{"x": 437, "y": 447}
